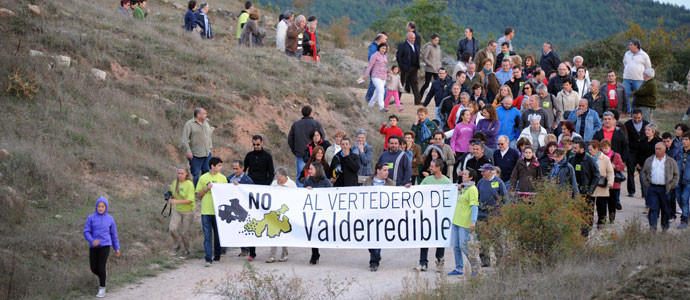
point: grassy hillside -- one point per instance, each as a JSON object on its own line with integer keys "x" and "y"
{"x": 79, "y": 137}
{"x": 565, "y": 23}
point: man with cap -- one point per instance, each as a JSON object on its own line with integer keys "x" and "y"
{"x": 492, "y": 193}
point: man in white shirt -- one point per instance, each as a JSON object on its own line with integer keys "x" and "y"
{"x": 661, "y": 176}
{"x": 635, "y": 61}
{"x": 281, "y": 31}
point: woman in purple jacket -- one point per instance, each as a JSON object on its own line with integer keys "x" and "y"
{"x": 489, "y": 126}
{"x": 101, "y": 233}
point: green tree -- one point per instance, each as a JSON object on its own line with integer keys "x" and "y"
{"x": 429, "y": 16}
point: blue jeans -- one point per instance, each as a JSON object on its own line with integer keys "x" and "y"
{"x": 199, "y": 166}
{"x": 643, "y": 188}
{"x": 438, "y": 117}
{"x": 299, "y": 162}
{"x": 208, "y": 224}
{"x": 374, "y": 257}
{"x": 424, "y": 252}
{"x": 682, "y": 196}
{"x": 370, "y": 91}
{"x": 459, "y": 237}
{"x": 630, "y": 86}
{"x": 657, "y": 199}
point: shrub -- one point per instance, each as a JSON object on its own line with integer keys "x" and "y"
{"x": 22, "y": 85}
{"x": 537, "y": 229}
{"x": 340, "y": 31}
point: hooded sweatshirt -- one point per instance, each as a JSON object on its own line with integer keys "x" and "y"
{"x": 101, "y": 227}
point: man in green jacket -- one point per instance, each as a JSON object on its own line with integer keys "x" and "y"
{"x": 138, "y": 7}
{"x": 242, "y": 19}
{"x": 645, "y": 96}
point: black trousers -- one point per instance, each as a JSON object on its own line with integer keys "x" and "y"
{"x": 410, "y": 77}
{"x": 631, "y": 173}
{"x": 604, "y": 204}
{"x": 428, "y": 79}
{"x": 424, "y": 253}
{"x": 98, "y": 258}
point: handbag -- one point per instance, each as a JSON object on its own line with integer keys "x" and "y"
{"x": 619, "y": 176}
{"x": 603, "y": 182}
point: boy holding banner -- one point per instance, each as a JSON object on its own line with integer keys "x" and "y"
{"x": 436, "y": 168}
{"x": 208, "y": 212}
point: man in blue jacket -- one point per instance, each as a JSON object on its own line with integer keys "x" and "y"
{"x": 399, "y": 163}
{"x": 509, "y": 118}
{"x": 439, "y": 89}
{"x": 683, "y": 190}
{"x": 586, "y": 121}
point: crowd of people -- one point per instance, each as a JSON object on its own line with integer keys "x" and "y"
{"x": 499, "y": 128}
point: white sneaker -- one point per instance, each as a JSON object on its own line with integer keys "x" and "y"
{"x": 101, "y": 292}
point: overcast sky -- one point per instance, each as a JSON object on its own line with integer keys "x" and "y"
{"x": 685, "y": 3}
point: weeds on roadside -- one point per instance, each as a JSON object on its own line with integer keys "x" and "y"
{"x": 252, "y": 284}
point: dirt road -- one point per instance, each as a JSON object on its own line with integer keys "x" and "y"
{"x": 338, "y": 264}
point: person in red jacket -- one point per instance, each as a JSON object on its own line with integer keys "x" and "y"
{"x": 393, "y": 130}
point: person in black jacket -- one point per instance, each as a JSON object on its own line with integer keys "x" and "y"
{"x": 439, "y": 89}
{"x": 468, "y": 45}
{"x": 316, "y": 179}
{"x": 556, "y": 83}
{"x": 549, "y": 60}
{"x": 619, "y": 142}
{"x": 316, "y": 139}
{"x": 408, "y": 61}
{"x": 587, "y": 177}
{"x": 596, "y": 100}
{"x": 258, "y": 164}
{"x": 298, "y": 138}
{"x": 635, "y": 129}
{"x": 345, "y": 166}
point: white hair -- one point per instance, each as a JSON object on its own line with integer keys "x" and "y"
{"x": 596, "y": 82}
{"x": 576, "y": 57}
{"x": 534, "y": 117}
{"x": 649, "y": 72}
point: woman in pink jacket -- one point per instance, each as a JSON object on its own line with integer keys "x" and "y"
{"x": 378, "y": 68}
{"x": 462, "y": 134}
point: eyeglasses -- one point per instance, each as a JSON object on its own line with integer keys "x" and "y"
{"x": 527, "y": 88}
{"x": 255, "y": 145}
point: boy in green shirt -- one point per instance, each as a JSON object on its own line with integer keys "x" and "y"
{"x": 464, "y": 219}
{"x": 437, "y": 177}
{"x": 208, "y": 213}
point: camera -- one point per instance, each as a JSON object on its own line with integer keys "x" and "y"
{"x": 167, "y": 195}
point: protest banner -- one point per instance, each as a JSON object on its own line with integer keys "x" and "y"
{"x": 345, "y": 217}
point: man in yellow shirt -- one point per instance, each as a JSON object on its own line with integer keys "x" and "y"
{"x": 208, "y": 212}
{"x": 242, "y": 19}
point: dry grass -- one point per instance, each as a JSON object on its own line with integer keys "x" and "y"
{"x": 75, "y": 140}
{"x": 635, "y": 265}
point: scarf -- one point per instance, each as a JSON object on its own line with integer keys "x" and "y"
{"x": 312, "y": 37}
{"x": 557, "y": 167}
{"x": 487, "y": 72}
{"x": 426, "y": 134}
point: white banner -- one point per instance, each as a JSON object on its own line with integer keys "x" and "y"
{"x": 346, "y": 217}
